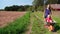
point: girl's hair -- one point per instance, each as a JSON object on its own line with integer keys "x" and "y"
{"x": 49, "y": 16}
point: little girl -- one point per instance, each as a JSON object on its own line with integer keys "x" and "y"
{"x": 49, "y": 22}
{"x": 49, "y": 19}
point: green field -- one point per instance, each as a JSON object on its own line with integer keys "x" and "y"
{"x": 38, "y": 26}
{"x": 19, "y": 26}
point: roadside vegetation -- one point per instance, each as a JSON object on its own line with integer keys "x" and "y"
{"x": 42, "y": 29}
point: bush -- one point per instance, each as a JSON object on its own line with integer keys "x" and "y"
{"x": 29, "y": 9}
{"x": 40, "y": 8}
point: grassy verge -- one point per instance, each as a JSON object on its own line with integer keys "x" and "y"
{"x": 56, "y": 18}
{"x": 18, "y": 26}
{"x": 38, "y": 27}
{"x": 57, "y": 25}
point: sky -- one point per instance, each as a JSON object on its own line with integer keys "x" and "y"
{"x": 4, "y": 3}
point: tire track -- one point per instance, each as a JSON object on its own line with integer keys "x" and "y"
{"x": 30, "y": 26}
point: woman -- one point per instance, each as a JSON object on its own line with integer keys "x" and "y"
{"x": 47, "y": 12}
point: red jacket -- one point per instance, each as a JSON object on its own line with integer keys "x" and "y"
{"x": 49, "y": 20}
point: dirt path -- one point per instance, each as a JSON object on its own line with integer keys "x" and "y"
{"x": 30, "y": 26}
{"x": 6, "y": 17}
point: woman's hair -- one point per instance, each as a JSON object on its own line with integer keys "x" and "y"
{"x": 49, "y": 7}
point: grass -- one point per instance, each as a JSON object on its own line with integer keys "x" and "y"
{"x": 56, "y": 18}
{"x": 38, "y": 27}
{"x": 57, "y": 25}
{"x": 18, "y": 26}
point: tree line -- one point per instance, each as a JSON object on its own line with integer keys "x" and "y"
{"x": 36, "y": 5}
{"x": 17, "y": 8}
{"x": 41, "y": 2}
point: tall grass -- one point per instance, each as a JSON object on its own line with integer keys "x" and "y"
{"x": 18, "y": 26}
{"x": 57, "y": 24}
{"x": 38, "y": 25}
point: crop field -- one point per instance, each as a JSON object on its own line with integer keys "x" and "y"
{"x": 27, "y": 23}
{"x": 17, "y": 26}
{"x": 6, "y": 17}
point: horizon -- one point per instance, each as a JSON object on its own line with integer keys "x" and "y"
{"x": 4, "y": 3}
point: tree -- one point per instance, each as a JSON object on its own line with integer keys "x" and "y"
{"x": 27, "y": 6}
{"x": 17, "y": 8}
{"x": 51, "y": 2}
{"x": 21, "y": 8}
{"x": 40, "y": 2}
{"x": 58, "y": 1}
{"x": 37, "y": 2}
{"x": 12, "y": 8}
